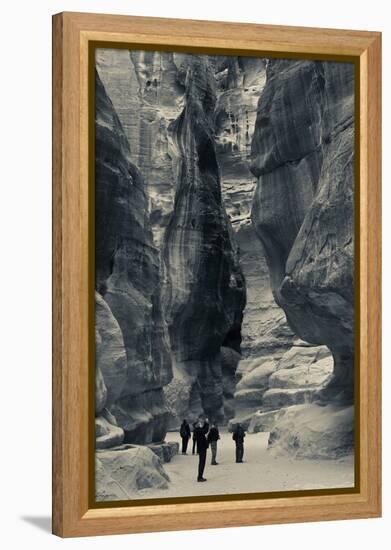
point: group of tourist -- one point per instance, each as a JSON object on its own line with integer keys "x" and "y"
{"x": 203, "y": 437}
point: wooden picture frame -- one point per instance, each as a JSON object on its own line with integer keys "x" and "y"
{"x": 72, "y": 34}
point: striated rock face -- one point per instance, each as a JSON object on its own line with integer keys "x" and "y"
{"x": 239, "y": 84}
{"x": 149, "y": 92}
{"x": 132, "y": 350}
{"x": 205, "y": 297}
{"x": 265, "y": 331}
{"x": 303, "y": 211}
{"x": 176, "y": 251}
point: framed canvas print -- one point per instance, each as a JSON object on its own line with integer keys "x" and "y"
{"x": 216, "y": 233}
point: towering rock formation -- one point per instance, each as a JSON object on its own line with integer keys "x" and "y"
{"x": 132, "y": 349}
{"x": 205, "y": 297}
{"x": 303, "y": 211}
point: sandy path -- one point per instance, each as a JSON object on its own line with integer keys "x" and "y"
{"x": 261, "y": 472}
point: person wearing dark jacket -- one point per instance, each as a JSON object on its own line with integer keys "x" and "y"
{"x": 194, "y": 438}
{"x": 200, "y": 432}
{"x": 238, "y": 436}
{"x": 185, "y": 435}
{"x": 213, "y": 437}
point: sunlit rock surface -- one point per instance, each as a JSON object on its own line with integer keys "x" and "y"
{"x": 264, "y": 421}
{"x": 107, "y": 432}
{"x": 110, "y": 354}
{"x": 148, "y": 95}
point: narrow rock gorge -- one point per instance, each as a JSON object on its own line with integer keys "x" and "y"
{"x": 240, "y": 82}
{"x": 224, "y": 256}
{"x": 166, "y": 103}
{"x": 266, "y": 335}
{"x": 149, "y": 93}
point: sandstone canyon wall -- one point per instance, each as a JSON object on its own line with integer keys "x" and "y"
{"x": 303, "y": 212}
{"x": 132, "y": 348}
{"x": 266, "y": 335}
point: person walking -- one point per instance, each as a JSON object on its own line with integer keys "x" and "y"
{"x": 213, "y": 437}
{"x": 238, "y": 436}
{"x": 200, "y": 432}
{"x": 185, "y": 435}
